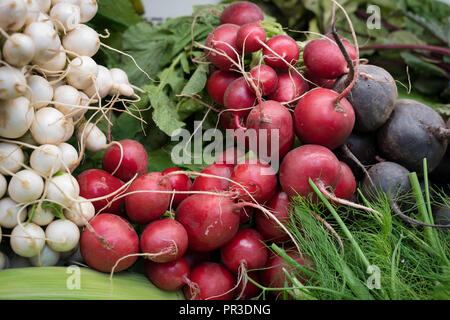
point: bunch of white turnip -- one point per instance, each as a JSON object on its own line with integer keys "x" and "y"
{"x": 48, "y": 81}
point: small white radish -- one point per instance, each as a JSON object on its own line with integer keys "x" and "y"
{"x": 16, "y": 117}
{"x": 10, "y": 211}
{"x": 41, "y": 216}
{"x": 11, "y": 158}
{"x": 121, "y": 84}
{"x": 41, "y": 91}
{"x": 81, "y": 72}
{"x": 46, "y": 258}
{"x": 33, "y": 10}
{"x": 44, "y": 5}
{"x": 57, "y": 63}
{"x": 80, "y": 212}
{"x": 82, "y": 40}
{"x": 93, "y": 138}
{"x": 27, "y": 241}
{"x": 46, "y": 40}
{"x": 4, "y": 261}
{"x": 50, "y": 126}
{"x": 88, "y": 9}
{"x": 25, "y": 186}
{"x": 84, "y": 102}
{"x": 68, "y": 16}
{"x": 17, "y": 261}
{"x": 63, "y": 189}
{"x": 3, "y": 185}
{"x": 62, "y": 235}
{"x": 66, "y": 99}
{"x": 69, "y": 157}
{"x": 46, "y": 160}
{"x": 19, "y": 50}
{"x": 44, "y": 17}
{"x": 75, "y": 2}
{"x": 103, "y": 84}
{"x": 13, "y": 14}
{"x": 12, "y": 83}
{"x": 70, "y": 128}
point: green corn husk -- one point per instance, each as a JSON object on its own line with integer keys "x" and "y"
{"x": 59, "y": 283}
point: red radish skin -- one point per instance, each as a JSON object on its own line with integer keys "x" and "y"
{"x": 210, "y": 220}
{"x": 319, "y": 121}
{"x": 271, "y": 115}
{"x": 269, "y": 228}
{"x": 194, "y": 258}
{"x": 165, "y": 240}
{"x": 346, "y": 185}
{"x": 169, "y": 276}
{"x": 214, "y": 282}
{"x": 324, "y": 59}
{"x": 305, "y": 162}
{"x": 351, "y": 51}
{"x": 214, "y": 184}
{"x": 114, "y": 238}
{"x": 318, "y": 82}
{"x": 264, "y": 78}
{"x": 251, "y": 290}
{"x": 250, "y": 37}
{"x": 96, "y": 183}
{"x": 246, "y": 250}
{"x": 241, "y": 12}
{"x": 239, "y": 96}
{"x": 178, "y": 182}
{"x": 142, "y": 206}
{"x": 134, "y": 160}
{"x": 231, "y": 156}
{"x": 228, "y": 121}
{"x": 245, "y": 214}
{"x": 282, "y": 47}
{"x": 290, "y": 86}
{"x": 217, "y": 83}
{"x": 221, "y": 46}
{"x": 257, "y": 178}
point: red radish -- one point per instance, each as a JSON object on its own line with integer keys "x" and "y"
{"x": 318, "y": 120}
{"x": 290, "y": 86}
{"x": 245, "y": 251}
{"x": 165, "y": 240}
{"x": 271, "y": 115}
{"x": 241, "y": 12}
{"x": 351, "y": 51}
{"x": 265, "y": 79}
{"x": 279, "y": 48}
{"x": 250, "y": 290}
{"x": 168, "y": 276}
{"x": 324, "y": 59}
{"x": 221, "y": 46}
{"x": 210, "y": 220}
{"x": 227, "y": 121}
{"x": 259, "y": 179}
{"x": 214, "y": 184}
{"x": 308, "y": 161}
{"x": 195, "y": 258}
{"x": 245, "y": 214}
{"x": 214, "y": 282}
{"x": 114, "y": 238}
{"x": 346, "y": 185}
{"x": 217, "y": 83}
{"x": 250, "y": 37}
{"x": 96, "y": 183}
{"x": 239, "y": 97}
{"x": 134, "y": 160}
{"x": 273, "y": 276}
{"x": 230, "y": 156}
{"x": 318, "y": 81}
{"x": 270, "y": 229}
{"x": 179, "y": 182}
{"x": 143, "y": 206}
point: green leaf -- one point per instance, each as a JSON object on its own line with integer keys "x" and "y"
{"x": 420, "y": 65}
{"x": 197, "y": 81}
{"x": 118, "y": 12}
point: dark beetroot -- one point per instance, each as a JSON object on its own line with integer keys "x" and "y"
{"x": 241, "y": 12}
{"x": 268, "y": 227}
{"x": 168, "y": 276}
{"x": 346, "y": 185}
{"x": 250, "y": 37}
{"x": 165, "y": 239}
{"x": 319, "y": 121}
{"x": 142, "y": 204}
{"x": 264, "y": 78}
{"x": 96, "y": 183}
{"x": 178, "y": 182}
{"x": 217, "y": 83}
{"x": 202, "y": 183}
{"x": 282, "y": 47}
{"x": 221, "y": 46}
{"x": 210, "y": 220}
{"x": 134, "y": 160}
{"x": 246, "y": 251}
{"x": 114, "y": 238}
{"x": 290, "y": 86}
{"x": 305, "y": 162}
{"x": 214, "y": 282}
